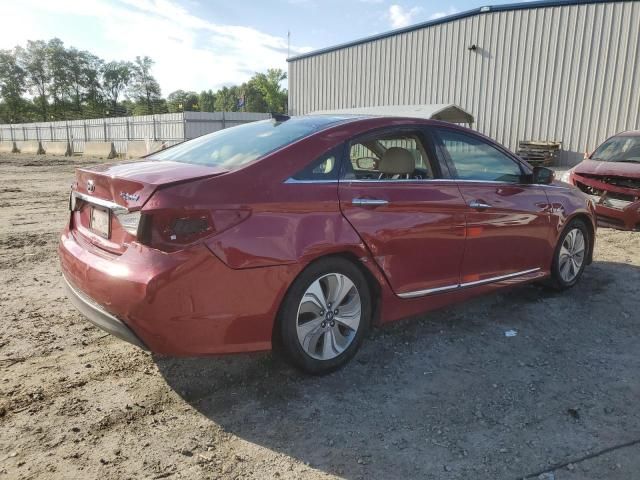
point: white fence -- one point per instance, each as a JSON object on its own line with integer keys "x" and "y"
{"x": 170, "y": 128}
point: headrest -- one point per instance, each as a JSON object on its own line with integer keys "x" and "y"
{"x": 397, "y": 161}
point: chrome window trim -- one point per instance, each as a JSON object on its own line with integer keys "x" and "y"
{"x": 459, "y": 286}
{"x": 420, "y": 181}
{"x": 426, "y": 180}
{"x": 399, "y": 180}
{"x": 118, "y": 209}
{"x": 294, "y": 181}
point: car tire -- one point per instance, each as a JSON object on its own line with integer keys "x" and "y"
{"x": 570, "y": 256}
{"x": 317, "y": 335}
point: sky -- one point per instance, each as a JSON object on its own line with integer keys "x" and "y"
{"x": 203, "y": 44}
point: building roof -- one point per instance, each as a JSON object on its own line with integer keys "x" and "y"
{"x": 447, "y": 112}
{"x": 452, "y": 18}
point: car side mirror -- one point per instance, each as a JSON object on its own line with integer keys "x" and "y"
{"x": 543, "y": 175}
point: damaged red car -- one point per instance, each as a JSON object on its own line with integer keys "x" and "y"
{"x": 301, "y": 233}
{"x": 611, "y": 177}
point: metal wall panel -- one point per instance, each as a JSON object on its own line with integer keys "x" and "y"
{"x": 567, "y": 73}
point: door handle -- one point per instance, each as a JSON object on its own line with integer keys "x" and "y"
{"x": 478, "y": 204}
{"x": 368, "y": 202}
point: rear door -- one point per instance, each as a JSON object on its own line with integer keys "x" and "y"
{"x": 508, "y": 227}
{"x": 413, "y": 223}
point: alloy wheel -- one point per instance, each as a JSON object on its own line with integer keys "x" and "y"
{"x": 328, "y": 316}
{"x": 571, "y": 255}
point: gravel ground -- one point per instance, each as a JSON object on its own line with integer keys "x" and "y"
{"x": 446, "y": 395}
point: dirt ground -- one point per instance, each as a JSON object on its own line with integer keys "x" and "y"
{"x": 447, "y": 395}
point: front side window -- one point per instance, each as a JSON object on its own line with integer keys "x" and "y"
{"x": 233, "y": 147}
{"x": 389, "y": 156}
{"x": 619, "y": 149}
{"x": 474, "y": 159}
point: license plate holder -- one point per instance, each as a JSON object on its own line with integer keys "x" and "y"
{"x": 100, "y": 221}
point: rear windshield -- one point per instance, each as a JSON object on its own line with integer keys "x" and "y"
{"x": 619, "y": 149}
{"x": 233, "y": 147}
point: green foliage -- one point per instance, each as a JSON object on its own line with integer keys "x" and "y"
{"x": 181, "y": 101}
{"x": 46, "y": 80}
{"x": 207, "y": 101}
{"x": 115, "y": 79}
{"x": 12, "y": 85}
{"x": 269, "y": 86}
{"x": 38, "y": 77}
{"x": 144, "y": 88}
{"x": 227, "y": 99}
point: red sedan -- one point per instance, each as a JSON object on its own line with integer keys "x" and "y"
{"x": 304, "y": 232}
{"x": 611, "y": 176}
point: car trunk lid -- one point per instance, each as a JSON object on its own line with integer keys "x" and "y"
{"x": 106, "y": 197}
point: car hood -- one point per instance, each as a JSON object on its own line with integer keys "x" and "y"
{"x": 615, "y": 169}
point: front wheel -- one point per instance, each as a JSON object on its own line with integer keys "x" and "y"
{"x": 325, "y": 315}
{"x": 570, "y": 256}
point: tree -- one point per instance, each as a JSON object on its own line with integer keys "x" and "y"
{"x": 181, "y": 101}
{"x": 226, "y": 100}
{"x": 116, "y": 76}
{"x": 144, "y": 87}
{"x": 254, "y": 101}
{"x": 94, "y": 98}
{"x": 269, "y": 85}
{"x": 46, "y": 80}
{"x": 12, "y": 85}
{"x": 83, "y": 79}
{"x": 58, "y": 67}
{"x": 34, "y": 61}
{"x": 207, "y": 101}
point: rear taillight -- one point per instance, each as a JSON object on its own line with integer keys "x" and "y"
{"x": 170, "y": 230}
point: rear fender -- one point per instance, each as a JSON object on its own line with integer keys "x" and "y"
{"x": 280, "y": 238}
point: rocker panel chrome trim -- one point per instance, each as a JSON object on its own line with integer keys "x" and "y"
{"x": 449, "y": 288}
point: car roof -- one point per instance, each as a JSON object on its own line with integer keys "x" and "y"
{"x": 449, "y": 112}
{"x": 629, "y": 133}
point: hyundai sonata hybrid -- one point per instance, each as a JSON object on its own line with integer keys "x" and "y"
{"x": 301, "y": 233}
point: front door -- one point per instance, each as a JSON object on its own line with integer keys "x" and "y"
{"x": 412, "y": 221}
{"x": 508, "y": 225}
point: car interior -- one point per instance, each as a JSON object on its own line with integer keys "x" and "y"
{"x": 396, "y": 157}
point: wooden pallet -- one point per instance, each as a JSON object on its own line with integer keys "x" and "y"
{"x": 538, "y": 152}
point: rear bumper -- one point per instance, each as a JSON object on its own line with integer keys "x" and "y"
{"x": 100, "y": 317}
{"x": 183, "y": 303}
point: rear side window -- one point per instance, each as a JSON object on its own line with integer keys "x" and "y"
{"x": 233, "y": 147}
{"x": 474, "y": 159}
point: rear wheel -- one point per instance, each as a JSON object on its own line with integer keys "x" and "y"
{"x": 570, "y": 257}
{"x": 325, "y": 316}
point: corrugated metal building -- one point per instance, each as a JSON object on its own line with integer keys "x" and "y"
{"x": 553, "y": 70}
